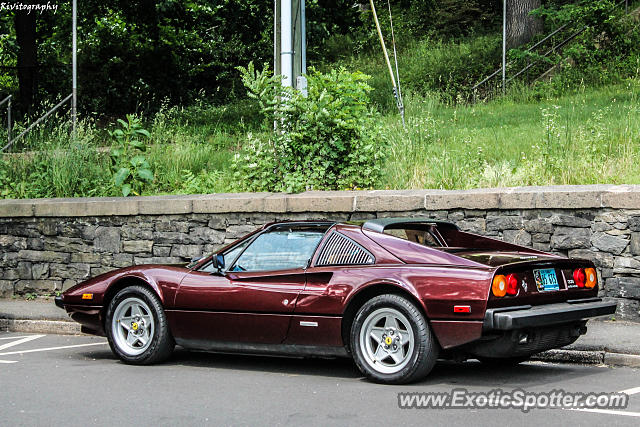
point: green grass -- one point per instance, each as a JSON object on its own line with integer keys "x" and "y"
{"x": 586, "y": 137}
{"x": 592, "y": 136}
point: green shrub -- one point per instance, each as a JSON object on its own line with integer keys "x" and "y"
{"x": 131, "y": 170}
{"x": 325, "y": 141}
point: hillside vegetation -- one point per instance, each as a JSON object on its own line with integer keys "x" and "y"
{"x": 582, "y": 126}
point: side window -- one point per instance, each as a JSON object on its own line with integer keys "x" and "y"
{"x": 229, "y": 257}
{"x": 279, "y": 250}
{"x": 340, "y": 250}
{"x": 423, "y": 237}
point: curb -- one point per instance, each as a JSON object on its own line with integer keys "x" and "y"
{"x": 40, "y": 326}
{"x": 589, "y": 357}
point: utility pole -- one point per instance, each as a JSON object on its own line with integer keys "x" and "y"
{"x": 74, "y": 72}
{"x": 289, "y": 43}
{"x": 504, "y": 47}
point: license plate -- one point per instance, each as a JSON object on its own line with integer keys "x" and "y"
{"x": 546, "y": 279}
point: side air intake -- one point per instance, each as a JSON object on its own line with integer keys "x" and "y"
{"x": 340, "y": 250}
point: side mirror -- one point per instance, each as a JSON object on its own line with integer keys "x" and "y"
{"x": 218, "y": 262}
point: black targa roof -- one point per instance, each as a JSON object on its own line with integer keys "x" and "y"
{"x": 382, "y": 224}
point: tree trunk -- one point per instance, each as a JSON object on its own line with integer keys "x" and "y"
{"x": 521, "y": 26}
{"x": 27, "y": 60}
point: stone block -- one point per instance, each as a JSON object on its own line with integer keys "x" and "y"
{"x": 600, "y": 259}
{"x": 37, "y": 286}
{"x": 601, "y": 226}
{"x": 48, "y": 227}
{"x": 473, "y": 225}
{"x": 500, "y": 223}
{"x": 608, "y": 243}
{"x": 16, "y": 208}
{"x": 479, "y": 199}
{"x": 137, "y": 246}
{"x": 6, "y": 288}
{"x": 518, "y": 237}
{"x": 634, "y": 243}
{"x": 622, "y": 197}
{"x": 35, "y": 244}
{"x": 205, "y": 235}
{"x": 70, "y": 271}
{"x": 65, "y": 244}
{"x": 237, "y": 231}
{"x": 107, "y": 239}
{"x": 86, "y": 258}
{"x": 158, "y": 260}
{"x": 40, "y": 271}
{"x": 43, "y": 256}
{"x": 389, "y": 201}
{"x": 233, "y": 202}
{"x": 83, "y": 207}
{"x": 570, "y": 238}
{"x": 12, "y": 243}
{"x": 634, "y": 223}
{"x": 24, "y": 270}
{"x": 186, "y": 251}
{"x": 570, "y": 221}
{"x": 165, "y": 237}
{"x": 538, "y": 226}
{"x": 68, "y": 283}
{"x": 541, "y": 238}
{"x": 166, "y": 205}
{"x": 172, "y": 225}
{"x": 217, "y": 223}
{"x": 161, "y": 251}
{"x": 122, "y": 260}
{"x": 623, "y": 287}
{"x": 626, "y": 265}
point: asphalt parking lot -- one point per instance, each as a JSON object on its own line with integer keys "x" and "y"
{"x": 75, "y": 380}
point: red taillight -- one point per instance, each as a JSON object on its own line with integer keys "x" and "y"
{"x": 512, "y": 284}
{"x": 579, "y": 277}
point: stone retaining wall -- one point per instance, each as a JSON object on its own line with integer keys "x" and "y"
{"x": 49, "y": 245}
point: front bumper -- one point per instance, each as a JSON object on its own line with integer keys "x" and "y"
{"x": 58, "y": 301}
{"x": 519, "y": 317}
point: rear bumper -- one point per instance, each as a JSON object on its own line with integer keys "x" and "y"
{"x": 511, "y": 318}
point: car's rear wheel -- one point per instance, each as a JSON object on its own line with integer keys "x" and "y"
{"x": 137, "y": 327}
{"x": 391, "y": 341}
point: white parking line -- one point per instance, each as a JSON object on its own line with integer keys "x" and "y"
{"x": 13, "y": 338}
{"x": 51, "y": 348}
{"x": 608, "y": 411}
{"x": 631, "y": 391}
{"x": 8, "y": 361}
{"x": 20, "y": 341}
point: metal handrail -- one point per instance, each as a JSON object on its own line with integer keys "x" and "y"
{"x": 561, "y": 44}
{"x": 528, "y": 50}
{"x": 8, "y": 101}
{"x": 58, "y": 105}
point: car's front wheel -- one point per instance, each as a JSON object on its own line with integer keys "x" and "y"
{"x": 391, "y": 341}
{"x": 137, "y": 327}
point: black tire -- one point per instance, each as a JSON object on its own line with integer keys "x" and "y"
{"x": 417, "y": 360}
{"x": 503, "y": 361}
{"x": 159, "y": 342}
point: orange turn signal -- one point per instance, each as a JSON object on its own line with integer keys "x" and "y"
{"x": 87, "y": 296}
{"x": 499, "y": 287}
{"x": 592, "y": 278}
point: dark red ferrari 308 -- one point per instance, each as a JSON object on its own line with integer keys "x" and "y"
{"x": 394, "y": 294}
